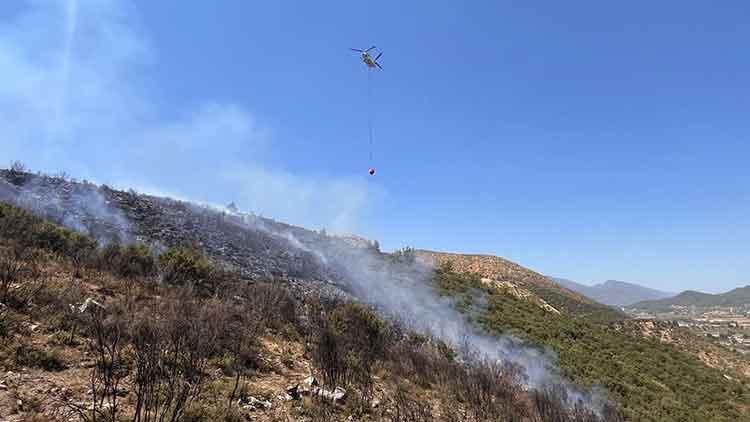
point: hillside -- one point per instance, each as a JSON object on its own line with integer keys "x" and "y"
{"x": 257, "y": 247}
{"x": 737, "y": 297}
{"x": 732, "y": 363}
{"x": 613, "y": 292}
{"x": 501, "y": 270}
{"x": 111, "y": 332}
{"x": 652, "y": 379}
{"x": 137, "y": 249}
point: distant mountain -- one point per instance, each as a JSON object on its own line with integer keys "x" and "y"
{"x": 737, "y": 297}
{"x": 613, "y": 292}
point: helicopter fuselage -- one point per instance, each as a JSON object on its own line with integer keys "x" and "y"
{"x": 367, "y": 59}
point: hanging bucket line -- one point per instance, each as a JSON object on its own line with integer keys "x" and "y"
{"x": 369, "y": 112}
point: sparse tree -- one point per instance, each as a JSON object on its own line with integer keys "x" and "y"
{"x": 106, "y": 329}
{"x": 18, "y": 167}
{"x": 171, "y": 351}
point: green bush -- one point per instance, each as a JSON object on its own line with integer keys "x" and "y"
{"x": 31, "y": 231}
{"x": 30, "y": 356}
{"x": 128, "y": 261}
{"x": 186, "y": 266}
{"x": 215, "y": 412}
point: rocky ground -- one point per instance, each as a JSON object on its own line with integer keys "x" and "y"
{"x": 58, "y": 375}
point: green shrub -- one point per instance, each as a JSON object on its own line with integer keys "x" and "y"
{"x": 406, "y": 255}
{"x": 31, "y": 231}
{"x": 185, "y": 266}
{"x": 31, "y": 356}
{"x": 215, "y": 412}
{"x": 128, "y": 261}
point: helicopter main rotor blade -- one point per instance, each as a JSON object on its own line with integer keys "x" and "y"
{"x": 376, "y": 58}
{"x": 378, "y": 65}
{"x": 368, "y": 50}
{"x": 357, "y": 50}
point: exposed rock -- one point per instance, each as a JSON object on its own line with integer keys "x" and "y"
{"x": 311, "y": 386}
{"x": 337, "y": 396}
{"x": 519, "y": 293}
{"x": 87, "y": 304}
{"x": 103, "y": 406}
{"x": 251, "y": 403}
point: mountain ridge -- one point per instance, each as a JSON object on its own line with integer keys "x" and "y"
{"x": 614, "y": 292}
{"x": 735, "y": 297}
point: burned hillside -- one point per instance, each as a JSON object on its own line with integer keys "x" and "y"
{"x": 256, "y": 247}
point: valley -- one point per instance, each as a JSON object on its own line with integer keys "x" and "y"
{"x": 724, "y": 325}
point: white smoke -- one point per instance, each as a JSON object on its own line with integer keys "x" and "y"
{"x": 405, "y": 292}
{"x": 77, "y": 95}
{"x": 410, "y": 296}
{"x": 79, "y": 207}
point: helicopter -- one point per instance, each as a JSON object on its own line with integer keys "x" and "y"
{"x": 367, "y": 58}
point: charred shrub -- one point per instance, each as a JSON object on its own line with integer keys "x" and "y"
{"x": 405, "y": 408}
{"x": 4, "y": 324}
{"x": 11, "y": 269}
{"x": 271, "y": 304}
{"x": 172, "y": 341}
{"x": 347, "y": 343}
{"x": 490, "y": 391}
{"x": 20, "y": 279}
{"x": 17, "y": 167}
{"x": 105, "y": 328}
{"x": 425, "y": 360}
{"x": 553, "y": 404}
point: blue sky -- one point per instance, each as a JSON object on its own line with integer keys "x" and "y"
{"x": 588, "y": 140}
